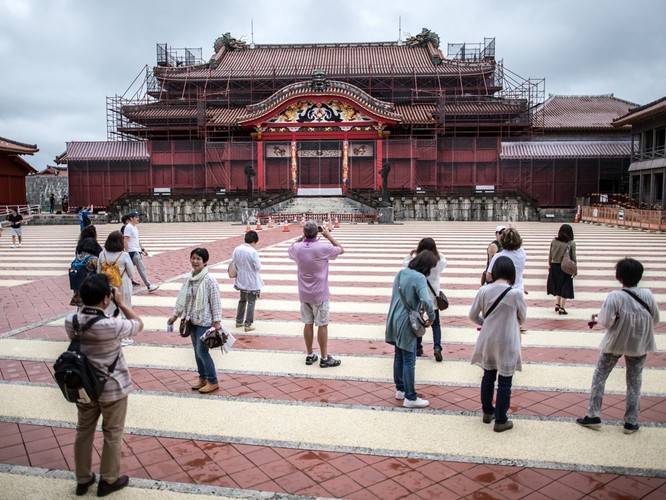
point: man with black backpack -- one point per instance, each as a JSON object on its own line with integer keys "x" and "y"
{"x": 100, "y": 342}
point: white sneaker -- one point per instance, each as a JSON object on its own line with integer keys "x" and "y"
{"x": 13, "y": 246}
{"x": 399, "y": 395}
{"x": 19, "y": 245}
{"x": 152, "y": 288}
{"x": 125, "y": 342}
{"x": 417, "y": 403}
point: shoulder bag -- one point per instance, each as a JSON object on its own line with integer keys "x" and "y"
{"x": 231, "y": 270}
{"x": 639, "y": 300}
{"x": 415, "y": 318}
{"x": 497, "y": 301}
{"x": 442, "y": 301}
{"x": 568, "y": 265}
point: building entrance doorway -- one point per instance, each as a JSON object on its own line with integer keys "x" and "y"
{"x": 319, "y": 168}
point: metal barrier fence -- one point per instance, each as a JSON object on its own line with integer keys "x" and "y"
{"x": 354, "y": 218}
{"x": 652, "y": 220}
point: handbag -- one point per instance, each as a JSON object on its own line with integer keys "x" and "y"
{"x": 440, "y": 298}
{"x": 185, "y": 327}
{"x": 568, "y": 265}
{"x": 416, "y": 320}
{"x": 231, "y": 270}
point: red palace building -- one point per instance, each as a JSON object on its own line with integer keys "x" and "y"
{"x": 322, "y": 119}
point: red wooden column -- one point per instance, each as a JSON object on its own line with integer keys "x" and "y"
{"x": 379, "y": 153}
{"x": 261, "y": 167}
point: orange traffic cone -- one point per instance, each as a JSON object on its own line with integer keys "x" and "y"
{"x": 285, "y": 228}
{"x": 259, "y": 225}
{"x": 248, "y": 228}
{"x": 337, "y": 222}
{"x": 303, "y": 221}
{"x": 270, "y": 223}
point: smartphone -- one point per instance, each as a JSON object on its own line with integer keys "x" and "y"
{"x": 320, "y": 229}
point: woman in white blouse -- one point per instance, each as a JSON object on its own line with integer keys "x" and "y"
{"x": 248, "y": 280}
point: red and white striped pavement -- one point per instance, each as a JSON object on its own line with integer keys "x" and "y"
{"x": 277, "y": 426}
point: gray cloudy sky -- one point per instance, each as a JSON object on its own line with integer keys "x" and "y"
{"x": 62, "y": 58}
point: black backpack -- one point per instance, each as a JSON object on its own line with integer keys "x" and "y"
{"x": 78, "y": 272}
{"x": 74, "y": 374}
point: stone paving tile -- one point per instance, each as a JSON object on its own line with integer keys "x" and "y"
{"x": 294, "y": 471}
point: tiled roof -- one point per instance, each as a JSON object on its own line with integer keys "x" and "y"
{"x": 581, "y": 112}
{"x": 644, "y": 112}
{"x": 14, "y": 147}
{"x": 159, "y": 111}
{"x": 107, "y": 150}
{"x": 417, "y": 113}
{"x": 565, "y": 149}
{"x": 336, "y": 60}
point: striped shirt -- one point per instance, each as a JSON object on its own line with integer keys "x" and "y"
{"x": 101, "y": 343}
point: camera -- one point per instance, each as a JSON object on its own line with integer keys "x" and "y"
{"x": 320, "y": 229}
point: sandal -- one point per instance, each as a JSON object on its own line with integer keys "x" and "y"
{"x": 562, "y": 311}
{"x": 557, "y": 308}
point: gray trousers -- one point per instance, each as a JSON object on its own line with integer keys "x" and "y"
{"x": 138, "y": 264}
{"x": 634, "y": 369}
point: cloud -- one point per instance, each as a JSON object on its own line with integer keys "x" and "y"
{"x": 62, "y": 58}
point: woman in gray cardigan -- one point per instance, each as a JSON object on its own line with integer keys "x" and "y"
{"x": 412, "y": 282}
{"x": 500, "y": 310}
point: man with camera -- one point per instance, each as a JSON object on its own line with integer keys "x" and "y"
{"x": 101, "y": 344}
{"x": 312, "y": 258}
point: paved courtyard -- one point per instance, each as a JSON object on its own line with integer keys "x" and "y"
{"x": 278, "y": 427}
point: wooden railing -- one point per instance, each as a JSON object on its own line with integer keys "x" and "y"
{"x": 653, "y": 220}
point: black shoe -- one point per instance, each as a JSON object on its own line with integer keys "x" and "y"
{"x": 82, "y": 488}
{"x": 134, "y": 283}
{"x": 419, "y": 351}
{"x": 329, "y": 362}
{"x": 438, "y": 355}
{"x": 311, "y": 358}
{"x": 503, "y": 427}
{"x": 104, "y": 488}
{"x": 592, "y": 423}
{"x": 628, "y": 428}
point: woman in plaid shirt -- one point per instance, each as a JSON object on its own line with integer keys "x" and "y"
{"x": 199, "y": 303}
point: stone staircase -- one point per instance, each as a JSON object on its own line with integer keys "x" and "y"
{"x": 320, "y": 205}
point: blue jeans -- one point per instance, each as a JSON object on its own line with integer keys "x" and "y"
{"x": 205, "y": 364}
{"x": 436, "y": 334}
{"x": 404, "y": 367}
{"x": 248, "y": 299}
{"x": 503, "y": 395}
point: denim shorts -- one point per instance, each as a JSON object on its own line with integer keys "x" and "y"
{"x": 315, "y": 313}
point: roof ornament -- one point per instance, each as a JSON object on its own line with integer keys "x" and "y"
{"x": 319, "y": 82}
{"x": 229, "y": 42}
{"x": 423, "y": 38}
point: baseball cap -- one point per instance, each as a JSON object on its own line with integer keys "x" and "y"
{"x": 500, "y": 228}
{"x": 133, "y": 213}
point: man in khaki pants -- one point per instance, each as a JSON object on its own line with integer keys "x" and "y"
{"x": 100, "y": 342}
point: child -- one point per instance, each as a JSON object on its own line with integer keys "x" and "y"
{"x": 630, "y": 315}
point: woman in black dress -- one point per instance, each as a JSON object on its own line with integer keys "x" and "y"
{"x": 560, "y": 284}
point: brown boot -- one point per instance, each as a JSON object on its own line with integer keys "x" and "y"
{"x": 209, "y": 388}
{"x": 199, "y": 384}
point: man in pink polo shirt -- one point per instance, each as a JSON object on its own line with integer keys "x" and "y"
{"x": 312, "y": 257}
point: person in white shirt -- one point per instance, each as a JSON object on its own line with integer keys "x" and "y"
{"x": 248, "y": 280}
{"x": 134, "y": 248}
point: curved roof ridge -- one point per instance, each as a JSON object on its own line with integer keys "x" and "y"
{"x": 333, "y": 87}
